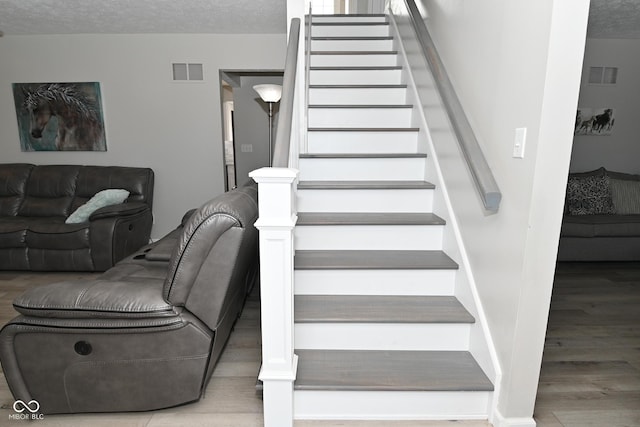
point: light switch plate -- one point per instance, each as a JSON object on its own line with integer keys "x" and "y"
{"x": 518, "y": 145}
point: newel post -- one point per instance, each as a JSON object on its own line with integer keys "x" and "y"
{"x": 276, "y": 220}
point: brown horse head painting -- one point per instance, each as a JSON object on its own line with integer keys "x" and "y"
{"x": 79, "y": 122}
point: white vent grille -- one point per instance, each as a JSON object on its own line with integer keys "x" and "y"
{"x": 183, "y": 71}
{"x": 603, "y": 75}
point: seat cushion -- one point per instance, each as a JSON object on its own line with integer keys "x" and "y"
{"x": 13, "y": 232}
{"x": 601, "y": 226}
{"x": 53, "y": 233}
{"x": 126, "y": 298}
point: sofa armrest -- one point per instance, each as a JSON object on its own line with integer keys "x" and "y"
{"x": 122, "y": 209}
{"x": 117, "y": 233}
{"x": 96, "y": 298}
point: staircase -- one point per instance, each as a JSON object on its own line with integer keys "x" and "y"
{"x": 379, "y": 329}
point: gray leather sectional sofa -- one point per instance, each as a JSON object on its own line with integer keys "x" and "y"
{"x": 145, "y": 334}
{"x": 35, "y": 202}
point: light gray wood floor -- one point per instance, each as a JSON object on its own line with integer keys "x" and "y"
{"x": 591, "y": 364}
{"x": 230, "y": 399}
{"x": 590, "y": 374}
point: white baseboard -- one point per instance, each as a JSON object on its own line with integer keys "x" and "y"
{"x": 498, "y": 420}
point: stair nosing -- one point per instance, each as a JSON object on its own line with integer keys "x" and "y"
{"x": 369, "y": 218}
{"x": 362, "y": 106}
{"x": 366, "y": 185}
{"x": 362, "y": 155}
{"x": 357, "y": 68}
{"x": 354, "y": 52}
{"x": 348, "y": 15}
{"x": 387, "y": 309}
{"x": 365, "y": 370}
{"x": 345, "y": 129}
{"x": 343, "y": 24}
{"x": 373, "y": 260}
{"x": 351, "y": 86}
{"x": 358, "y": 38}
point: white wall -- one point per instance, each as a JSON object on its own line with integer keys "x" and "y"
{"x": 620, "y": 150}
{"x": 514, "y": 64}
{"x": 150, "y": 121}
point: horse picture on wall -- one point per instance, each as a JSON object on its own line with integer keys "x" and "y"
{"x": 594, "y": 121}
{"x": 60, "y": 116}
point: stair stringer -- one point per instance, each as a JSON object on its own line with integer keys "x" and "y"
{"x": 481, "y": 343}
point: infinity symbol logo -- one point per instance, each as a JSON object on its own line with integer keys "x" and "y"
{"x": 20, "y": 404}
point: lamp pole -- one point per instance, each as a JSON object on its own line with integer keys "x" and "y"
{"x": 270, "y": 133}
{"x": 269, "y": 93}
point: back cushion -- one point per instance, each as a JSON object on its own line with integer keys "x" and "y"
{"x": 50, "y": 191}
{"x": 93, "y": 179}
{"x": 207, "y": 266}
{"x": 13, "y": 183}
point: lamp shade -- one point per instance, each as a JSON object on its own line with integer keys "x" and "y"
{"x": 269, "y": 92}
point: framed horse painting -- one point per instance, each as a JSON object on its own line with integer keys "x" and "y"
{"x": 60, "y": 116}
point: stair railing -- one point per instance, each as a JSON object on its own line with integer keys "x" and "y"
{"x": 277, "y": 217}
{"x": 282, "y": 145}
{"x": 483, "y": 178}
{"x": 307, "y": 68}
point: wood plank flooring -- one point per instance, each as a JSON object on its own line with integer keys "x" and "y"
{"x": 591, "y": 364}
{"x": 590, "y": 374}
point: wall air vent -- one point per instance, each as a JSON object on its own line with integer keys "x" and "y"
{"x": 183, "y": 71}
{"x": 603, "y": 75}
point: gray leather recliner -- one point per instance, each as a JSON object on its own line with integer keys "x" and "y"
{"x": 146, "y": 334}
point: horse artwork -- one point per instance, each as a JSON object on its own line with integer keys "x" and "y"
{"x": 60, "y": 116}
{"x": 594, "y": 121}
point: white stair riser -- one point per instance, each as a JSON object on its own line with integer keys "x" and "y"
{"x": 355, "y": 77}
{"x": 369, "y": 60}
{"x": 356, "y": 200}
{"x": 378, "y": 30}
{"x": 376, "y": 169}
{"x": 360, "y": 117}
{"x": 375, "y": 282}
{"x": 391, "y": 405}
{"x": 360, "y": 45}
{"x": 382, "y": 336}
{"x": 349, "y": 18}
{"x": 362, "y": 142}
{"x": 368, "y": 237}
{"x": 357, "y": 96}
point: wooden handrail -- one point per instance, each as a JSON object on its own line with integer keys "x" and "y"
{"x": 481, "y": 172}
{"x": 285, "y": 119}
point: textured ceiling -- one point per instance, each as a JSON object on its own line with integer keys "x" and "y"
{"x": 614, "y": 19}
{"x": 142, "y": 16}
{"x": 607, "y": 18}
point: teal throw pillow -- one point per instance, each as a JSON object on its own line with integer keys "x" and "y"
{"x": 100, "y": 200}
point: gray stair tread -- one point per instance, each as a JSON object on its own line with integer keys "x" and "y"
{"x": 349, "y": 23}
{"x": 351, "y": 38}
{"x": 364, "y": 106}
{"x": 348, "y": 15}
{"x": 389, "y": 371}
{"x": 354, "y": 52}
{"x": 372, "y": 260}
{"x": 361, "y": 155}
{"x": 363, "y": 129}
{"x": 365, "y": 185}
{"x": 366, "y": 218}
{"x": 379, "y": 309}
{"x": 355, "y": 67}
{"x": 372, "y": 86}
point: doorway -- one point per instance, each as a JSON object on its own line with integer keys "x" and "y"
{"x": 245, "y": 123}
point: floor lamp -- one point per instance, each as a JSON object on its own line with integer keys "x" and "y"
{"x": 270, "y": 94}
